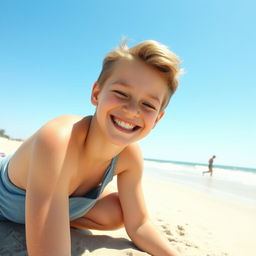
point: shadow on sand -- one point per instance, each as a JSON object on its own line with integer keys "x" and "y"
{"x": 13, "y": 243}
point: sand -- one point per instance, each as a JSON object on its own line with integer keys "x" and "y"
{"x": 196, "y": 224}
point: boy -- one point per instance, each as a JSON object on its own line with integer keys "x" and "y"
{"x": 58, "y": 176}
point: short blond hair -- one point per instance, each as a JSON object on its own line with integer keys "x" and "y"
{"x": 150, "y": 52}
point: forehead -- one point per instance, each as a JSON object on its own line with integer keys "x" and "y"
{"x": 136, "y": 73}
{"x": 137, "y": 69}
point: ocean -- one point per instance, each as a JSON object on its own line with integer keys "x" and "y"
{"x": 233, "y": 183}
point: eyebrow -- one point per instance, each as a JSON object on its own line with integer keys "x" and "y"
{"x": 125, "y": 84}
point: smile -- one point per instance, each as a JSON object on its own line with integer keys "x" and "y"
{"x": 124, "y": 126}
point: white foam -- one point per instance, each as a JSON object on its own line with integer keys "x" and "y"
{"x": 229, "y": 183}
{"x": 238, "y": 176}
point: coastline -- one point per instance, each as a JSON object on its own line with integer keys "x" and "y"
{"x": 195, "y": 223}
{"x": 237, "y": 185}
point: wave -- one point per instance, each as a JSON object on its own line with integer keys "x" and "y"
{"x": 190, "y": 169}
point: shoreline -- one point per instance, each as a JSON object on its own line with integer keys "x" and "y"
{"x": 217, "y": 166}
{"x": 214, "y": 192}
{"x": 235, "y": 186}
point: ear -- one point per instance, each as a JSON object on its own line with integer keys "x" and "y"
{"x": 95, "y": 94}
{"x": 158, "y": 118}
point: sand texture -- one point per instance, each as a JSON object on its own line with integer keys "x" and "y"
{"x": 196, "y": 224}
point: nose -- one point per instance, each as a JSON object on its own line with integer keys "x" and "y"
{"x": 132, "y": 108}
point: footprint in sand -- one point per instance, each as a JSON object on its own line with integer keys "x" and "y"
{"x": 172, "y": 239}
{"x": 221, "y": 254}
{"x": 190, "y": 244}
{"x": 180, "y": 230}
{"x": 167, "y": 230}
{"x": 177, "y": 234}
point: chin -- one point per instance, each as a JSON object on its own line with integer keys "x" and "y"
{"x": 121, "y": 141}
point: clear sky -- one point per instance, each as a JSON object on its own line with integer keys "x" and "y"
{"x": 51, "y": 54}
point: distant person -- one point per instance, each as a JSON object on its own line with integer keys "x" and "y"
{"x": 210, "y": 165}
{"x": 2, "y": 154}
{"x": 57, "y": 178}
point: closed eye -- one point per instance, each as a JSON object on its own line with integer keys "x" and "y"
{"x": 148, "y": 105}
{"x": 120, "y": 93}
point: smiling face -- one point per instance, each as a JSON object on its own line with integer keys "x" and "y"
{"x": 130, "y": 101}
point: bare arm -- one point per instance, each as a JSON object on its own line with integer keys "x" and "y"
{"x": 137, "y": 223}
{"x": 47, "y": 213}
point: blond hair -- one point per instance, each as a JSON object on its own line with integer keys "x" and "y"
{"x": 150, "y": 52}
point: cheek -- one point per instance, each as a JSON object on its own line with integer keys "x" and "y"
{"x": 107, "y": 102}
{"x": 150, "y": 119}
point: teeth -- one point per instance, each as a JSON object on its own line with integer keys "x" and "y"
{"x": 124, "y": 124}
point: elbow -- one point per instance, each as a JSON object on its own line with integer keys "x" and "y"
{"x": 134, "y": 230}
{"x": 131, "y": 233}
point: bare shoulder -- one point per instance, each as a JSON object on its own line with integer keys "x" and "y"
{"x": 62, "y": 130}
{"x": 131, "y": 158}
{"x": 62, "y": 125}
{"x": 60, "y": 141}
{"x": 53, "y": 149}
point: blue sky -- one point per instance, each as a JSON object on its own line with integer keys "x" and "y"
{"x": 51, "y": 54}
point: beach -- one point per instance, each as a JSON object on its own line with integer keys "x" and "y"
{"x": 196, "y": 220}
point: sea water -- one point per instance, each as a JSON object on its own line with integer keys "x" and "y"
{"x": 233, "y": 183}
